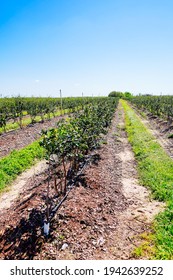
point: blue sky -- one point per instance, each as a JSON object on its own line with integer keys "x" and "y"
{"x": 89, "y": 46}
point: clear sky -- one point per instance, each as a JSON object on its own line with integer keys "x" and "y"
{"x": 89, "y": 46}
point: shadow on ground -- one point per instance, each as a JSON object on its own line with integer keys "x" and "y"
{"x": 23, "y": 241}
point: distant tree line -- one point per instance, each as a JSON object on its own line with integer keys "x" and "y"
{"x": 120, "y": 94}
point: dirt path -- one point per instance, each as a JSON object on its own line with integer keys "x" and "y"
{"x": 99, "y": 219}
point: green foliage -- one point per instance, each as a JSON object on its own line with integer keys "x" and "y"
{"x": 115, "y": 94}
{"x": 161, "y": 106}
{"x": 13, "y": 109}
{"x": 75, "y": 137}
{"x": 69, "y": 138}
{"x": 127, "y": 95}
{"x": 4, "y": 115}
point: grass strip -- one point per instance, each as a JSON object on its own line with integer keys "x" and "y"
{"x": 155, "y": 169}
{"x": 17, "y": 162}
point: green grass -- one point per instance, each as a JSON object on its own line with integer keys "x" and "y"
{"x": 155, "y": 170}
{"x": 17, "y": 162}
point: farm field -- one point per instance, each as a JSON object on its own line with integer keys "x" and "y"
{"x": 26, "y": 136}
{"x": 19, "y": 138}
{"x": 109, "y": 214}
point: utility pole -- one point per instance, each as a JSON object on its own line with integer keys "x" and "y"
{"x": 82, "y": 101}
{"x": 61, "y": 99}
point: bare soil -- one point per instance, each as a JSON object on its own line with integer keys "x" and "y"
{"x": 101, "y": 218}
